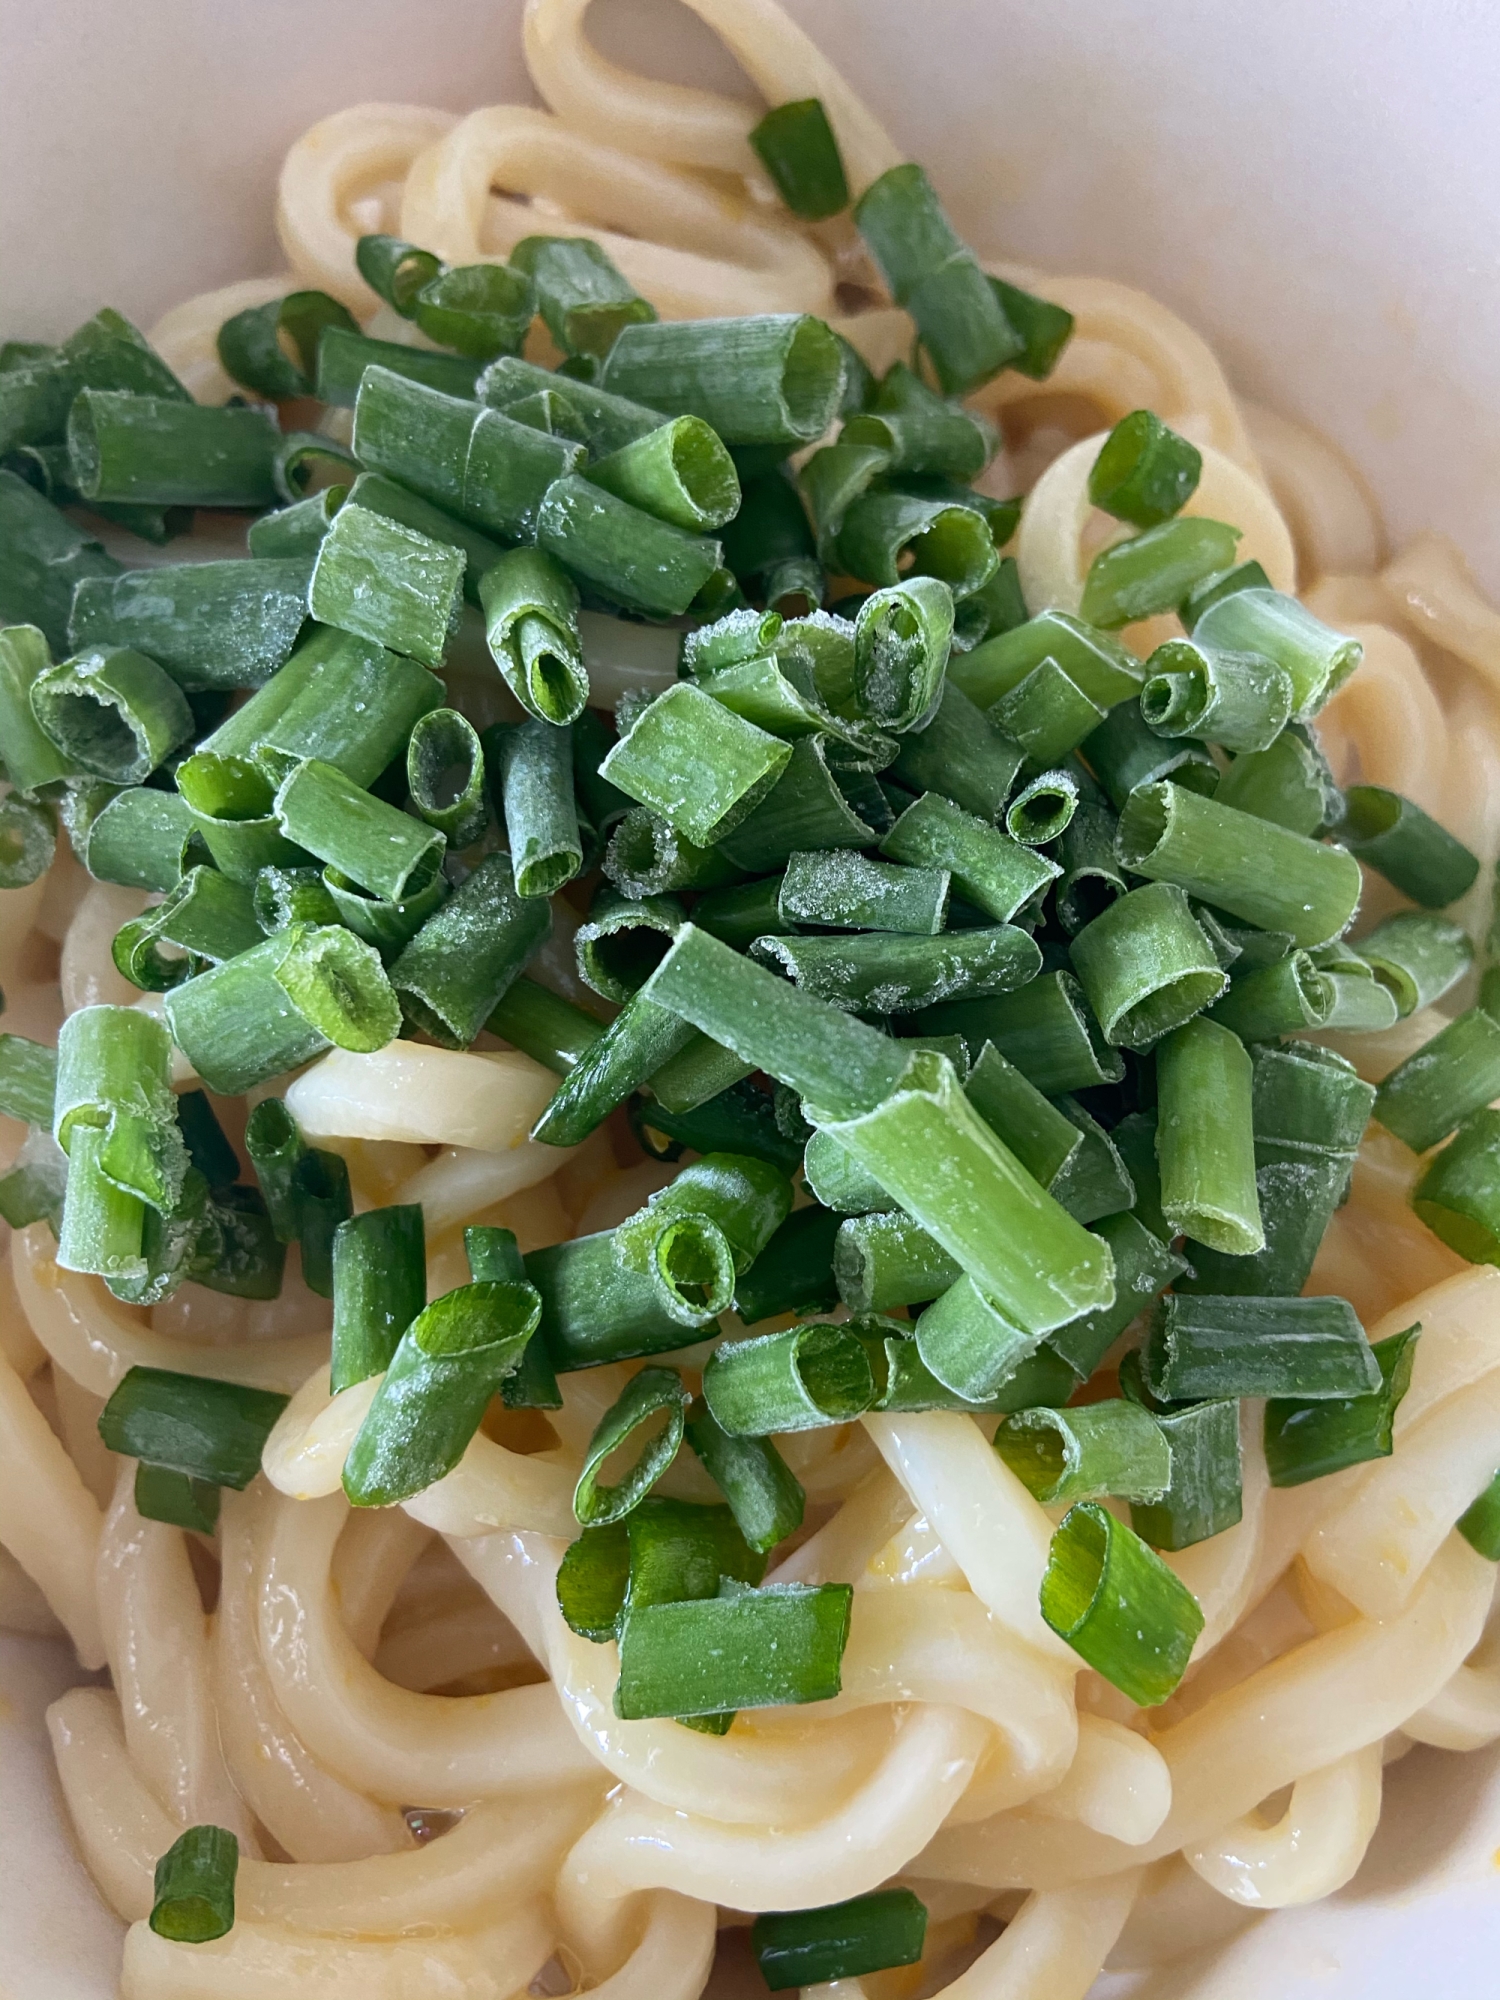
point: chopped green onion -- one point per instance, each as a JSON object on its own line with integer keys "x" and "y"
{"x": 373, "y": 491}
{"x": 1360, "y": 1004}
{"x": 480, "y": 309}
{"x": 1205, "y": 1495}
{"x": 1237, "y": 700}
{"x": 769, "y": 544}
{"x": 1288, "y": 784}
{"x": 604, "y": 422}
{"x": 1151, "y": 572}
{"x": 1144, "y": 1267}
{"x": 885, "y": 535}
{"x": 1458, "y": 1196}
{"x": 1435, "y": 1089}
{"x": 1118, "y": 1605}
{"x": 192, "y": 1897}
{"x": 387, "y": 923}
{"x": 885, "y": 1260}
{"x": 840, "y": 1941}
{"x": 253, "y": 345}
{"x": 164, "y": 1495}
{"x": 544, "y": 1026}
{"x": 738, "y": 1119}
{"x": 680, "y": 473}
{"x": 646, "y": 857}
{"x": 1145, "y": 473}
{"x": 583, "y": 299}
{"x": 1047, "y": 714}
{"x": 650, "y": 1411}
{"x": 396, "y": 270}
{"x": 1201, "y": 1346}
{"x": 387, "y": 583}
{"x": 1092, "y": 878}
{"x": 1205, "y": 1140}
{"x": 765, "y": 1499}
{"x": 837, "y": 1180}
{"x": 1043, "y": 809}
{"x": 797, "y": 148}
{"x": 236, "y": 1023}
{"x": 1091, "y": 659}
{"x": 664, "y": 1552}
{"x": 699, "y": 1071}
{"x": 31, "y": 758}
{"x": 963, "y": 325}
{"x": 1396, "y": 838}
{"x": 1480, "y": 1524}
{"x": 344, "y": 358}
{"x": 626, "y": 554}
{"x": 1042, "y": 327}
{"x": 806, "y": 810}
{"x": 321, "y": 1184}
{"x": 992, "y": 871}
{"x": 167, "y": 453}
{"x": 34, "y": 1189}
{"x": 845, "y": 891}
{"x": 276, "y": 1148}
{"x": 794, "y": 1273}
{"x": 337, "y": 983}
{"x": 641, "y": 1038}
{"x": 143, "y": 838}
{"x": 28, "y": 1080}
{"x": 744, "y": 912}
{"x": 1243, "y": 576}
{"x": 28, "y": 840}
{"x": 1146, "y": 966}
{"x": 206, "y": 1429}
{"x": 112, "y": 712}
{"x": 803, "y": 1379}
{"x": 703, "y": 769}
{"x": 624, "y": 940}
{"x": 1124, "y": 755}
{"x": 962, "y": 754}
{"x": 901, "y": 643}
{"x": 595, "y": 1311}
{"x": 888, "y": 973}
{"x": 541, "y": 818}
{"x": 379, "y": 1287}
{"x": 205, "y": 915}
{"x": 1281, "y": 999}
{"x": 113, "y": 1077}
{"x": 494, "y": 1254}
{"x": 594, "y": 1576}
{"x": 1109, "y": 1447}
{"x": 531, "y": 620}
{"x": 1267, "y": 875}
{"x": 445, "y": 776}
{"x": 381, "y": 849}
{"x": 1418, "y": 956}
{"x": 1314, "y": 658}
{"x": 451, "y": 1360}
{"x": 744, "y": 1649}
{"x": 1046, "y": 1029}
{"x": 1310, "y": 1440}
{"x": 698, "y": 1234}
{"x": 42, "y": 556}
{"x": 968, "y": 1344}
{"x": 770, "y": 378}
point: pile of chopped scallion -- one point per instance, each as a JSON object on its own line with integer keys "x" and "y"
{"x": 1004, "y": 939}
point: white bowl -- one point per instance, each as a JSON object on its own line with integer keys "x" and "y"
{"x": 1315, "y": 185}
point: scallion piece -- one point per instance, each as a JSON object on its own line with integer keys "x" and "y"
{"x": 840, "y": 1941}
{"x": 739, "y": 1119}
{"x": 112, "y": 712}
{"x": 531, "y": 616}
{"x": 797, "y": 148}
{"x": 379, "y": 1287}
{"x": 794, "y": 1273}
{"x": 583, "y": 299}
{"x": 276, "y": 1148}
{"x": 209, "y": 1430}
{"x": 338, "y": 984}
{"x": 1418, "y": 956}
{"x": 451, "y": 1360}
{"x": 1315, "y": 659}
{"x": 1237, "y": 700}
{"x": 1480, "y": 1524}
{"x": 1204, "y": 1497}
{"x": 236, "y": 1023}
{"x": 886, "y": 534}
{"x": 680, "y": 473}
{"x": 295, "y": 531}
{"x": 1146, "y": 966}
{"x": 703, "y": 769}
{"x": 650, "y": 1411}
{"x": 1288, "y": 784}
{"x": 445, "y": 776}
{"x": 1360, "y": 1004}
{"x": 902, "y": 638}
{"x": 701, "y": 1232}
{"x": 885, "y": 1260}
{"x": 158, "y": 451}
{"x": 806, "y": 810}
{"x": 1153, "y": 571}
{"x": 746, "y": 1648}
{"x": 253, "y": 345}
{"x": 626, "y": 554}
{"x": 624, "y": 940}
{"x": 1124, "y": 754}
{"x": 699, "y": 1071}
{"x": 1047, "y": 714}
{"x": 32, "y": 759}
{"x": 1458, "y": 1196}
{"x": 1281, "y": 999}
{"x": 1046, "y": 1029}
{"x": 1118, "y": 1605}
{"x": 604, "y": 422}
{"x": 192, "y": 1897}
{"x": 767, "y": 1502}
{"x": 28, "y": 840}
{"x": 544, "y": 1026}
{"x": 541, "y": 818}
{"x": 1267, "y": 875}
{"x": 385, "y": 922}
{"x": 887, "y": 973}
{"x": 387, "y": 583}
{"x": 803, "y": 1379}
{"x": 344, "y": 358}
{"x": 1434, "y": 1090}
{"x": 493, "y": 1254}
{"x": 396, "y": 270}
{"x": 962, "y": 754}
{"x": 1205, "y": 1140}
{"x": 43, "y": 555}
{"x": 748, "y": 910}
{"x": 1199, "y": 1347}
{"x": 1099, "y": 1449}
{"x": 837, "y": 1180}
{"x": 381, "y": 849}
{"x": 164, "y": 1495}
{"x": 143, "y": 838}
{"x": 372, "y": 490}
{"x": 772, "y": 378}
{"x": 1243, "y": 576}
{"x": 1144, "y": 1267}
{"x": 112, "y": 1078}
{"x": 1309, "y": 1440}
{"x": 1092, "y": 660}
{"x": 992, "y": 871}
{"x": 936, "y": 277}
{"x": 1145, "y": 473}
{"x": 641, "y": 1038}
{"x": 482, "y": 310}
{"x": 1397, "y": 839}
{"x": 205, "y": 915}
{"x": 969, "y": 1345}
{"x": 845, "y": 891}
{"x": 593, "y": 1310}
{"x": 1043, "y": 809}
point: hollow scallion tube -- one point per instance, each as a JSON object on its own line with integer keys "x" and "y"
{"x": 1043, "y": 809}
{"x": 806, "y": 810}
{"x": 204, "y": 914}
{"x": 844, "y": 891}
{"x": 604, "y": 422}
{"x": 1144, "y": 1267}
{"x": 583, "y": 299}
{"x": 968, "y": 1344}
{"x": 163, "y": 1495}
{"x": 901, "y": 642}
{"x": 192, "y": 1895}
{"x": 32, "y": 759}
{"x": 531, "y": 621}
{"x": 1046, "y": 1029}
{"x": 1118, "y": 1605}
{"x": 797, "y": 148}
{"x": 1281, "y": 999}
{"x": 1309, "y": 1440}
{"x": 992, "y": 871}
{"x": 1205, "y": 1139}
{"x": 445, "y": 776}
{"x": 765, "y": 1498}
{"x": 624, "y": 940}
{"x": 794, "y": 1273}
{"x": 641, "y": 1038}
{"x": 1267, "y": 875}
{"x": 680, "y": 473}
{"x": 387, "y": 583}
{"x": 112, "y": 1077}
{"x": 451, "y": 1360}
{"x": 1205, "y": 1494}
{"x": 482, "y": 310}
{"x": 1106, "y": 1448}
{"x": 541, "y": 817}
{"x": 842, "y": 1941}
{"x": 1315, "y": 659}
{"x": 1458, "y": 1196}
{"x": 1243, "y": 576}
{"x": 962, "y": 754}
{"x": 885, "y": 1260}
{"x": 1124, "y": 754}
{"x": 237, "y": 1025}
{"x": 1288, "y": 784}
{"x": 746, "y": 1648}
{"x": 1047, "y": 714}
{"x": 209, "y": 625}
{"x": 626, "y": 554}
{"x": 1146, "y": 966}
{"x": 1153, "y": 571}
{"x": 111, "y": 712}
{"x": 544, "y": 1026}
{"x": 936, "y": 277}
{"x": 887, "y": 973}
{"x": 28, "y": 840}
{"x": 1419, "y": 956}
{"x": 253, "y": 344}
{"x": 372, "y": 490}
{"x": 45, "y": 556}
{"x": 458, "y": 967}
{"x": 381, "y": 849}
{"x": 647, "y": 857}
{"x": 593, "y": 1310}
{"x": 772, "y": 378}
{"x": 1202, "y": 1346}
{"x": 207, "y": 1429}
{"x": 379, "y": 1287}
{"x": 1092, "y": 660}
{"x": 1396, "y": 838}
{"x": 344, "y": 358}
{"x": 1434, "y": 1090}
{"x": 696, "y": 1236}
{"x": 1237, "y": 700}
{"x": 295, "y": 530}
{"x": 651, "y": 1408}
{"x": 802, "y": 1379}
{"x": 1145, "y": 473}
{"x": 884, "y": 535}
{"x": 703, "y": 769}
{"x": 159, "y": 451}
{"x": 493, "y": 1254}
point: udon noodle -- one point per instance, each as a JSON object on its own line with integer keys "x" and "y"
{"x": 421, "y": 1762}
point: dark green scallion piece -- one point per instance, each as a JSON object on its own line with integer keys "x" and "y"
{"x": 493, "y": 1254}
{"x": 296, "y": 531}
{"x": 797, "y": 148}
{"x": 42, "y": 556}
{"x": 624, "y": 553}
{"x": 743, "y": 1649}
{"x": 253, "y": 344}
{"x": 1398, "y": 840}
{"x": 396, "y": 270}
{"x": 794, "y": 1273}
{"x": 702, "y": 768}
{"x": 343, "y": 359}
{"x": 840, "y": 1941}
{"x": 157, "y": 451}
{"x": 387, "y": 583}
{"x": 208, "y": 1430}
{"x": 1145, "y": 473}
{"x": 1098, "y": 1449}
{"x": 210, "y": 625}
{"x": 1047, "y": 714}
{"x": 544, "y": 1026}
{"x": 1097, "y": 664}
{"x": 1092, "y": 878}
{"x": 1418, "y": 956}
{"x": 806, "y": 810}
{"x": 663, "y": 1552}
{"x": 481, "y": 310}
{"x": 1205, "y": 1495}
{"x": 902, "y": 638}
{"x": 451, "y": 1360}
{"x": 1237, "y": 700}
{"x": 456, "y": 970}
{"x": 595, "y": 1311}
{"x": 767, "y": 1502}
{"x": 192, "y": 1897}
{"x": 276, "y": 1149}
{"x": 583, "y": 299}
{"x": 651, "y": 1411}
{"x": 1309, "y": 1440}
{"x": 739, "y": 915}
{"x": 388, "y": 923}
{"x": 383, "y": 850}
{"x": 1289, "y": 784}
{"x": 204, "y": 914}
{"x": 1205, "y": 1140}
{"x": 680, "y": 473}
{"x": 1124, "y": 754}
{"x": 885, "y": 1260}
{"x": 884, "y": 972}
{"x": 445, "y": 776}
{"x": 321, "y": 1182}
{"x": 625, "y": 940}
{"x": 845, "y": 891}
{"x": 1267, "y": 875}
{"x": 695, "y": 1237}
{"x": 164, "y": 1495}
{"x": 1118, "y": 1605}
{"x": 1043, "y": 809}
{"x": 1144, "y": 1267}
{"x": 771, "y": 378}
{"x": 739, "y": 1119}
{"x": 604, "y": 422}
{"x": 1043, "y": 328}
{"x": 305, "y": 456}
{"x": 1153, "y": 571}
{"x": 962, "y": 754}
{"x": 379, "y": 1287}
{"x": 769, "y": 544}
{"x": 372, "y": 490}
{"x": 31, "y": 758}
{"x": 1458, "y": 1197}
{"x": 885, "y": 535}
{"x": 112, "y": 712}
{"x": 1146, "y": 966}
{"x": 1201, "y": 1346}
{"x": 1281, "y": 999}
{"x": 962, "y": 323}
{"x": 642, "y": 1037}
{"x": 803, "y": 1379}
{"x": 647, "y": 857}
{"x": 1480, "y": 1524}
{"x": 992, "y": 871}
{"x": 1434, "y": 1090}
{"x": 1315, "y": 659}
{"x": 531, "y": 613}
{"x": 541, "y": 818}
{"x": 1046, "y": 1029}
{"x": 997, "y": 606}
{"x": 969, "y": 1344}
